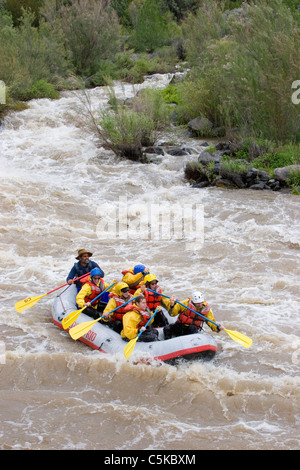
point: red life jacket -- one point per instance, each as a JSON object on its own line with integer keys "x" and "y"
{"x": 96, "y": 290}
{"x": 144, "y": 315}
{"x": 190, "y": 318}
{"x": 118, "y": 314}
{"x": 153, "y": 300}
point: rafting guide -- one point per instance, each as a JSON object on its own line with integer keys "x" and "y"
{"x": 153, "y": 221}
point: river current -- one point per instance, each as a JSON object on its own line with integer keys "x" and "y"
{"x": 56, "y": 393}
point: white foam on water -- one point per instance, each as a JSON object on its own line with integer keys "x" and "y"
{"x": 55, "y": 177}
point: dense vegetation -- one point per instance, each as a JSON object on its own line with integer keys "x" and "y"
{"x": 242, "y": 57}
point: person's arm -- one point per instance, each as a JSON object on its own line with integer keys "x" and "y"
{"x": 71, "y": 275}
{"x": 84, "y": 292}
{"x": 130, "y": 322}
{"x": 111, "y": 305}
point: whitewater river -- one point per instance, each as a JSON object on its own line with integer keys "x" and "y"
{"x": 56, "y": 393}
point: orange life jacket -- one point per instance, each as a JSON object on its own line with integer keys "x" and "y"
{"x": 96, "y": 290}
{"x": 118, "y": 314}
{"x": 190, "y": 318}
{"x": 153, "y": 300}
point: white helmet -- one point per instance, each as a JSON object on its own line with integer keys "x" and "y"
{"x": 198, "y": 297}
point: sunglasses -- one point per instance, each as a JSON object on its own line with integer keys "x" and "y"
{"x": 125, "y": 290}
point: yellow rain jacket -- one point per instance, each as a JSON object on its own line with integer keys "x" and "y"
{"x": 178, "y": 309}
{"x": 133, "y": 280}
{"x": 131, "y": 322}
{"x": 86, "y": 291}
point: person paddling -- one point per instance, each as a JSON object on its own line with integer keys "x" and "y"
{"x": 135, "y": 320}
{"x": 154, "y": 300}
{"x": 117, "y": 298}
{"x": 189, "y": 322}
{"x": 93, "y": 286}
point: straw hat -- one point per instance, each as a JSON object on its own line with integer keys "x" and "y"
{"x": 82, "y": 252}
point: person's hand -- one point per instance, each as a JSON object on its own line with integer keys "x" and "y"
{"x": 221, "y": 327}
{"x": 142, "y": 328}
{"x": 172, "y": 300}
{"x": 70, "y": 281}
{"x": 143, "y": 288}
{"x": 88, "y": 304}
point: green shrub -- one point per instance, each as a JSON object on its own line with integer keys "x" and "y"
{"x": 294, "y": 179}
{"x": 234, "y": 166}
{"x": 126, "y": 130}
{"x": 284, "y": 155}
{"x": 29, "y": 54}
{"x": 243, "y": 67}
{"x": 152, "y": 27}
{"x": 91, "y": 32}
{"x": 170, "y": 94}
{"x": 41, "y": 89}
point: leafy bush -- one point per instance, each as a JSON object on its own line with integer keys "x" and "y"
{"x": 126, "y": 130}
{"x": 29, "y": 54}
{"x": 92, "y": 33}
{"x": 152, "y": 27}
{"x": 243, "y": 66}
{"x": 41, "y": 89}
{"x": 294, "y": 179}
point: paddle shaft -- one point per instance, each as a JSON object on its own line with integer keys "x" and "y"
{"x": 185, "y": 306}
{"x": 77, "y": 279}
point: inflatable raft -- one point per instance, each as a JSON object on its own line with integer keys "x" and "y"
{"x": 102, "y": 338}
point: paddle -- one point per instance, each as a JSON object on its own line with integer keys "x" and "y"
{"x": 80, "y": 330}
{"x": 131, "y": 345}
{"x": 31, "y": 301}
{"x": 69, "y": 319}
{"x": 235, "y": 335}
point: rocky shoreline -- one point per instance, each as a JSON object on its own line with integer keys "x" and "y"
{"x": 211, "y": 169}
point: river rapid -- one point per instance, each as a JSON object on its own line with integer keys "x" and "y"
{"x": 56, "y": 393}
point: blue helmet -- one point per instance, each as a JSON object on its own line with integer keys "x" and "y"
{"x": 97, "y": 272}
{"x": 139, "y": 268}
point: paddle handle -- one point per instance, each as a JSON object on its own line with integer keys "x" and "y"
{"x": 185, "y": 306}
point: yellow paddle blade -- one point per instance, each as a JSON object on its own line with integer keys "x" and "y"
{"x": 130, "y": 347}
{"x": 240, "y": 338}
{"x": 81, "y": 329}
{"x": 27, "y": 303}
{"x": 69, "y": 319}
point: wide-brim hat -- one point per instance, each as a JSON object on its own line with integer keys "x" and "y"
{"x": 82, "y": 252}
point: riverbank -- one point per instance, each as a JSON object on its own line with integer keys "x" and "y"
{"x": 218, "y": 164}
